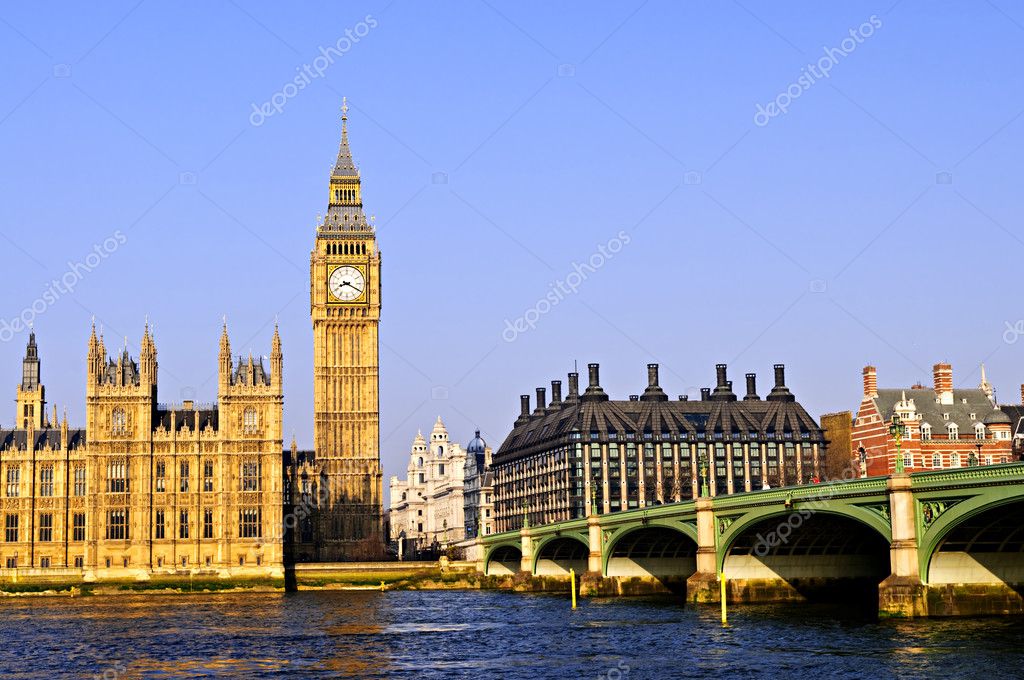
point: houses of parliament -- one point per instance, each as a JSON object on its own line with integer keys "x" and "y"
{"x": 146, "y": 488}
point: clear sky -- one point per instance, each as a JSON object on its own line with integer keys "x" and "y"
{"x": 701, "y": 194}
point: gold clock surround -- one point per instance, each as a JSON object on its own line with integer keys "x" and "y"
{"x": 333, "y": 266}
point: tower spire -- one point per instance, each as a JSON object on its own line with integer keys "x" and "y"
{"x": 344, "y": 166}
{"x": 345, "y": 206}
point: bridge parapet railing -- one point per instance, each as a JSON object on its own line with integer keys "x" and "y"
{"x": 1001, "y": 473}
{"x": 804, "y": 492}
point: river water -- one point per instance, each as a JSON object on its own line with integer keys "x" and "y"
{"x": 456, "y": 634}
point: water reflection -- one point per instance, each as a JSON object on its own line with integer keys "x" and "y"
{"x": 364, "y": 634}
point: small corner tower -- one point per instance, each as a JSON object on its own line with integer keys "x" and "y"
{"x": 31, "y": 393}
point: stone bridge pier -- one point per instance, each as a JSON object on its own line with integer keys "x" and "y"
{"x": 941, "y": 543}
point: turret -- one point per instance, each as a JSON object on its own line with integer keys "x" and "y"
{"x": 276, "y": 363}
{"x": 147, "y": 359}
{"x": 224, "y": 360}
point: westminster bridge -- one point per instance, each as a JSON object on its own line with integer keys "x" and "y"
{"x": 946, "y": 542}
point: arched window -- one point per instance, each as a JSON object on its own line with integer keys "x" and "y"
{"x": 936, "y": 461}
{"x": 419, "y": 462}
{"x": 440, "y": 452}
{"x": 249, "y": 420}
{"x": 119, "y": 421}
{"x": 954, "y": 460}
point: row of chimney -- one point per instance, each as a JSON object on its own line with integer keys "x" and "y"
{"x": 594, "y": 392}
{"x": 942, "y": 375}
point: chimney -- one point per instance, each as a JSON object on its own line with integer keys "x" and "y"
{"x": 943, "y": 374}
{"x": 524, "y": 408}
{"x": 780, "y": 392}
{"x": 541, "y": 401}
{"x": 653, "y": 391}
{"x": 751, "y": 387}
{"x": 574, "y": 387}
{"x": 556, "y": 393}
{"x": 634, "y": 397}
{"x": 870, "y": 382}
{"x": 705, "y": 392}
{"x": 684, "y": 397}
{"x": 723, "y": 391}
{"x": 594, "y": 391}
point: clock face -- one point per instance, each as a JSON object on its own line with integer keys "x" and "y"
{"x": 346, "y": 283}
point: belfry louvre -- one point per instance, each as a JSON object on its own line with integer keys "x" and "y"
{"x": 588, "y": 452}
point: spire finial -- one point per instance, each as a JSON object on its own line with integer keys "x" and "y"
{"x": 344, "y": 108}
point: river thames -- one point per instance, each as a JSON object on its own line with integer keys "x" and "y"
{"x": 469, "y": 634}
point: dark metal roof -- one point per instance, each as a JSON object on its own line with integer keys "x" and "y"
{"x": 765, "y": 419}
{"x": 300, "y": 457}
{"x": 129, "y": 371}
{"x": 44, "y": 439}
{"x": 1016, "y": 414}
{"x": 241, "y": 374}
{"x": 207, "y": 416}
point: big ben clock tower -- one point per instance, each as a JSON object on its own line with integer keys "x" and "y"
{"x": 344, "y": 270}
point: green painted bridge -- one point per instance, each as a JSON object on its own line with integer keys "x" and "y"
{"x": 936, "y": 543}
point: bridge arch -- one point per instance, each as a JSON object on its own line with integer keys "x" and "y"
{"x": 555, "y": 555}
{"x": 664, "y": 550}
{"x": 503, "y": 559}
{"x": 839, "y": 552}
{"x": 977, "y": 540}
{"x": 857, "y": 515}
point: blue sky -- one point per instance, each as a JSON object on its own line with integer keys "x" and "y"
{"x": 876, "y": 220}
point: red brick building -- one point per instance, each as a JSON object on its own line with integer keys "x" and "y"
{"x": 943, "y": 427}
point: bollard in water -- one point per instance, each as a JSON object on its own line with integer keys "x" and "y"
{"x": 572, "y": 581}
{"x": 382, "y": 586}
{"x": 725, "y": 616}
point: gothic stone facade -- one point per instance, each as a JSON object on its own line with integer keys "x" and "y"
{"x": 146, "y": 488}
{"x": 586, "y": 453}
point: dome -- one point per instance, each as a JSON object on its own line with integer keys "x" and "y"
{"x": 997, "y": 417}
{"x": 477, "y": 445}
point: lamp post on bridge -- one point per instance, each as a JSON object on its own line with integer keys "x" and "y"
{"x": 897, "y": 429}
{"x": 704, "y": 473}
